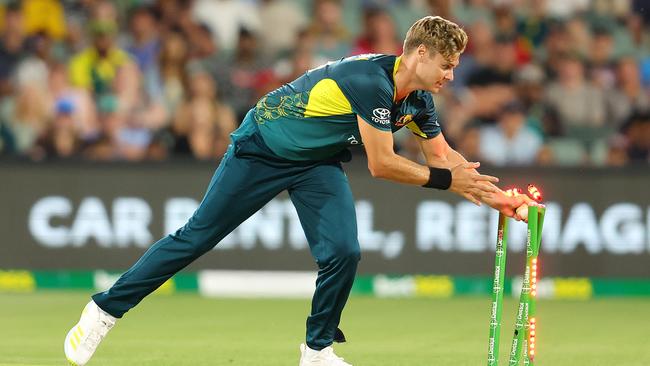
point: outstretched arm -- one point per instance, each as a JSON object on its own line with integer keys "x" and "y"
{"x": 384, "y": 163}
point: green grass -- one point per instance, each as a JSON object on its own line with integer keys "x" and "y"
{"x": 190, "y": 330}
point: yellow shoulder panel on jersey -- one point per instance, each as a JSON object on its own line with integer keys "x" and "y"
{"x": 416, "y": 129}
{"x": 327, "y": 99}
{"x": 398, "y": 60}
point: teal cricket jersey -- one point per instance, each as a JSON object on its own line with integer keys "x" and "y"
{"x": 315, "y": 116}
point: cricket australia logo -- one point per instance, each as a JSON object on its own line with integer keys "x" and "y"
{"x": 381, "y": 116}
{"x": 404, "y": 120}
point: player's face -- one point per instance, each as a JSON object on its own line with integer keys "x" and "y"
{"x": 436, "y": 71}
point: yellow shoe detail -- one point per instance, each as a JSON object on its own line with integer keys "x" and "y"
{"x": 76, "y": 337}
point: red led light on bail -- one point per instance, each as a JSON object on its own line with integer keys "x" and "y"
{"x": 534, "y": 193}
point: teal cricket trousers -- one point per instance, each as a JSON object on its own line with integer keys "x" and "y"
{"x": 249, "y": 176}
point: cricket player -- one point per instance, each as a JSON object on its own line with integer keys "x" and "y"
{"x": 294, "y": 139}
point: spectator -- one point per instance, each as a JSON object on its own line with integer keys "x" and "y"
{"x": 510, "y": 141}
{"x": 456, "y": 112}
{"x": 534, "y": 26}
{"x": 565, "y": 8}
{"x": 141, "y": 116}
{"x": 557, "y": 44}
{"x": 144, "y": 47}
{"x": 637, "y": 136}
{"x": 45, "y": 17}
{"x": 104, "y": 148}
{"x": 638, "y": 34}
{"x": 173, "y": 61}
{"x": 500, "y": 66}
{"x": 286, "y": 20}
{"x": 505, "y": 21}
{"x": 529, "y": 81}
{"x": 507, "y": 59}
{"x": 125, "y": 134}
{"x": 331, "y": 36}
{"x": 41, "y": 47}
{"x": 27, "y": 112}
{"x": 491, "y": 85}
{"x": 243, "y": 76}
{"x": 200, "y": 39}
{"x": 469, "y": 144}
{"x": 75, "y": 104}
{"x": 203, "y": 123}
{"x": 629, "y": 94}
{"x": 74, "y": 38}
{"x": 601, "y": 59}
{"x": 169, "y": 11}
{"x": 103, "y": 11}
{"x": 379, "y": 35}
{"x": 225, "y": 18}
{"x": 61, "y": 140}
{"x": 617, "y": 152}
{"x": 442, "y": 8}
{"x": 478, "y": 55}
{"x": 178, "y": 16}
{"x": 12, "y": 46}
{"x": 6, "y": 139}
{"x": 577, "y": 101}
{"x": 580, "y": 36}
{"x": 96, "y": 67}
{"x": 471, "y": 11}
{"x": 579, "y": 68}
{"x": 293, "y": 65}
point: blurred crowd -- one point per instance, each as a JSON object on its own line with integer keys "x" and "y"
{"x": 542, "y": 82}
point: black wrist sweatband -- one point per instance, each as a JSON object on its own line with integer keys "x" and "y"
{"x": 439, "y": 178}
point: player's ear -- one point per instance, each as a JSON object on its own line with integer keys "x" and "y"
{"x": 422, "y": 51}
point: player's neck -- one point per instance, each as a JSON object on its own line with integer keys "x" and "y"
{"x": 405, "y": 81}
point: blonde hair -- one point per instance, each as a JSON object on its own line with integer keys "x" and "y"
{"x": 437, "y": 34}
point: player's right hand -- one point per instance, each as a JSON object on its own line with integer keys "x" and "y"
{"x": 509, "y": 204}
{"x": 468, "y": 183}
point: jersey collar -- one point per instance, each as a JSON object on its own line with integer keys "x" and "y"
{"x": 398, "y": 60}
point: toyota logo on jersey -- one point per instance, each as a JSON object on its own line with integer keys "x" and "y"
{"x": 381, "y": 115}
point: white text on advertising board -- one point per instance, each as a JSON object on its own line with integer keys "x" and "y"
{"x": 622, "y": 228}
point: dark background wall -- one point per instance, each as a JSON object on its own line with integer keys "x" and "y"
{"x": 87, "y": 216}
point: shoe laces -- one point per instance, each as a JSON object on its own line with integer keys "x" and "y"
{"x": 329, "y": 355}
{"x": 96, "y": 334}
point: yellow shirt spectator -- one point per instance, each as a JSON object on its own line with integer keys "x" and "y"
{"x": 90, "y": 71}
{"x": 95, "y": 67}
{"x": 44, "y": 15}
{"x": 2, "y": 17}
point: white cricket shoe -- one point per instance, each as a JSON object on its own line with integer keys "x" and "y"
{"x": 324, "y": 357}
{"x": 82, "y": 340}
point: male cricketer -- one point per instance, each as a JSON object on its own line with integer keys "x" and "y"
{"x": 294, "y": 139}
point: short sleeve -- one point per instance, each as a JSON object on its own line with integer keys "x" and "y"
{"x": 371, "y": 97}
{"x": 425, "y": 120}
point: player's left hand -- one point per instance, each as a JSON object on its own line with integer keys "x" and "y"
{"x": 468, "y": 183}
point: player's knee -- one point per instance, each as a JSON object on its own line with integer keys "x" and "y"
{"x": 354, "y": 254}
{"x": 347, "y": 252}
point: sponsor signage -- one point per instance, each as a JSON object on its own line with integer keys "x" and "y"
{"x": 83, "y": 216}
